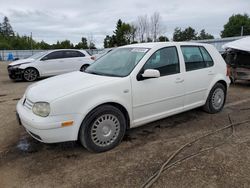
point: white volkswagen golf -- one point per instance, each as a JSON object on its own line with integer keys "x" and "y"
{"x": 49, "y": 63}
{"x": 130, "y": 86}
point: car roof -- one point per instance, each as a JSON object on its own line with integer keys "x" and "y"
{"x": 80, "y": 50}
{"x": 162, "y": 44}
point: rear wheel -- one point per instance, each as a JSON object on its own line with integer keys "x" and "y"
{"x": 103, "y": 129}
{"x": 30, "y": 74}
{"x": 216, "y": 99}
{"x": 83, "y": 68}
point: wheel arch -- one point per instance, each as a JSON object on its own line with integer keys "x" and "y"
{"x": 223, "y": 82}
{"x": 217, "y": 79}
{"x": 29, "y": 67}
{"x": 85, "y": 64}
{"x": 115, "y": 104}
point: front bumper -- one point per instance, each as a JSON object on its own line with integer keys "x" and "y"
{"x": 48, "y": 129}
{"x": 15, "y": 73}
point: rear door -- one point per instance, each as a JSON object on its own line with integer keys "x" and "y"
{"x": 198, "y": 76}
{"x": 75, "y": 59}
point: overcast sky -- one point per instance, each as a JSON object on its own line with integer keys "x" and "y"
{"x": 52, "y": 20}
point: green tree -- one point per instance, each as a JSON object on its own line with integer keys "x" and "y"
{"x": 235, "y": 24}
{"x": 185, "y": 35}
{"x": 92, "y": 45}
{"x": 123, "y": 33}
{"x": 43, "y": 45}
{"x": 110, "y": 41}
{"x": 163, "y": 39}
{"x": 6, "y": 28}
{"x": 203, "y": 35}
{"x": 83, "y": 44}
{"x": 1, "y": 32}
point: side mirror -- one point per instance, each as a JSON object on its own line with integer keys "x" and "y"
{"x": 150, "y": 73}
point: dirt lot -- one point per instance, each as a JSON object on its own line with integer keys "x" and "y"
{"x": 25, "y": 162}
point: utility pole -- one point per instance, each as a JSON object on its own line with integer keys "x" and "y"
{"x": 31, "y": 41}
{"x": 242, "y": 31}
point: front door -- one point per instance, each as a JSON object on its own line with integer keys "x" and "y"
{"x": 52, "y": 64}
{"x": 156, "y": 98}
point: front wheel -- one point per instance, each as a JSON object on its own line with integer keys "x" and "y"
{"x": 30, "y": 74}
{"x": 216, "y": 99}
{"x": 103, "y": 129}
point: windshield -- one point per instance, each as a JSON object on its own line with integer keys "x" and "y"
{"x": 119, "y": 62}
{"x": 37, "y": 55}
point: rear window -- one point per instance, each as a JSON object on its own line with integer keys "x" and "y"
{"x": 71, "y": 54}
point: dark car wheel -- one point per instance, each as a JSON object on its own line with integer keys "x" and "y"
{"x": 216, "y": 99}
{"x": 83, "y": 68}
{"x": 30, "y": 74}
{"x": 102, "y": 129}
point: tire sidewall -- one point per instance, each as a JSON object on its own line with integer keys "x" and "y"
{"x": 85, "y": 130}
{"x": 37, "y": 74}
{"x": 211, "y": 107}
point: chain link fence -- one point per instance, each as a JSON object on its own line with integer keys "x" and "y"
{"x": 9, "y": 55}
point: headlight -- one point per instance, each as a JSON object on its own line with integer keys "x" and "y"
{"x": 41, "y": 109}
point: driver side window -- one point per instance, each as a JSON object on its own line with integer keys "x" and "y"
{"x": 165, "y": 60}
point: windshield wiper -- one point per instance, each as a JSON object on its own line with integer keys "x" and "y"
{"x": 96, "y": 73}
{"x": 102, "y": 74}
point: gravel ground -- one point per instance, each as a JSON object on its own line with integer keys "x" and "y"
{"x": 25, "y": 162}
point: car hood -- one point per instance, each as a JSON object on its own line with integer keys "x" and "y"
{"x": 56, "y": 87}
{"x": 21, "y": 61}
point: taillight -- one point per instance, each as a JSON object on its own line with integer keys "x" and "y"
{"x": 228, "y": 70}
{"x": 92, "y": 57}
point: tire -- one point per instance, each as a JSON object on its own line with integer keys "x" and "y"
{"x": 30, "y": 74}
{"x": 83, "y": 68}
{"x": 216, "y": 99}
{"x": 102, "y": 129}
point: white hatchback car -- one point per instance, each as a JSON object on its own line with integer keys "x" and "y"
{"x": 130, "y": 86}
{"x": 49, "y": 63}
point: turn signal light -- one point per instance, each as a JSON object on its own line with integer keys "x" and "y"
{"x": 67, "y": 123}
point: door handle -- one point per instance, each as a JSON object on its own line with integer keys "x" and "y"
{"x": 179, "y": 80}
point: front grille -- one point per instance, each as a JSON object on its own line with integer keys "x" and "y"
{"x": 28, "y": 104}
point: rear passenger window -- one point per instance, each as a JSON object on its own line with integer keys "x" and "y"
{"x": 207, "y": 58}
{"x": 54, "y": 55}
{"x": 196, "y": 57}
{"x": 165, "y": 60}
{"x": 71, "y": 54}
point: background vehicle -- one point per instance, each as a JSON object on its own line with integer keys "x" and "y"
{"x": 49, "y": 63}
{"x": 237, "y": 56}
{"x": 130, "y": 86}
{"x": 102, "y": 53}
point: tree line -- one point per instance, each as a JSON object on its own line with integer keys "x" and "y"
{"x": 11, "y": 41}
{"x": 150, "y": 29}
{"x": 144, "y": 29}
